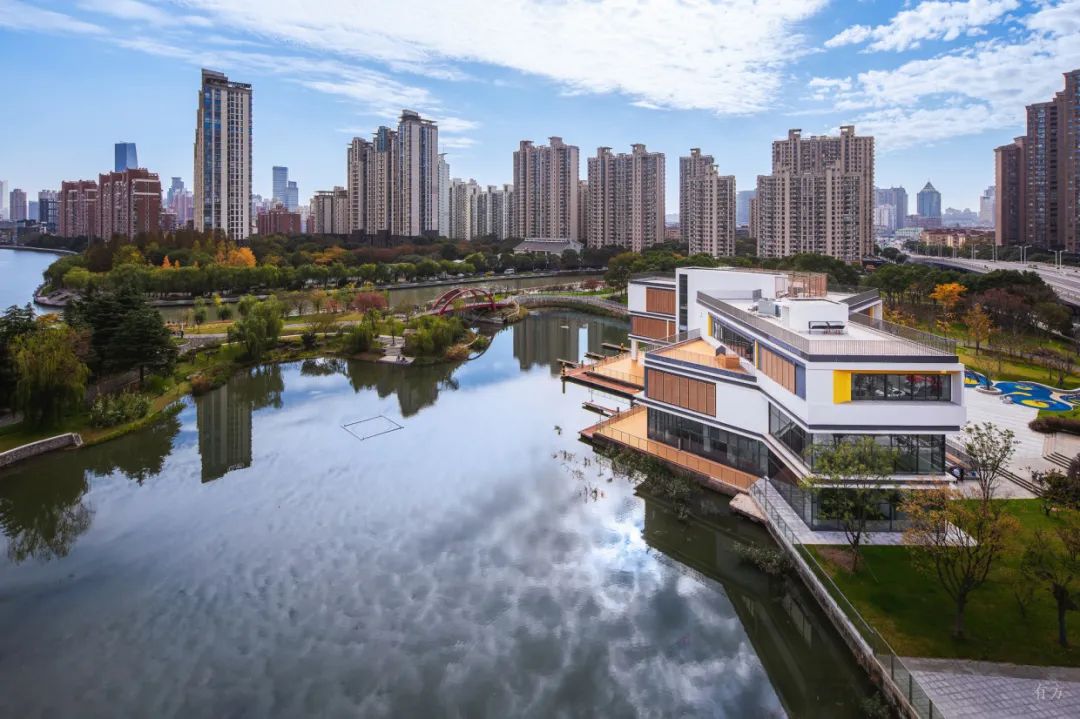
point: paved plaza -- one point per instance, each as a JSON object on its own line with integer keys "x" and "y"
{"x": 964, "y": 689}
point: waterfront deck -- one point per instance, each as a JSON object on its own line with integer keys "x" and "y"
{"x": 628, "y": 429}
{"x": 700, "y": 352}
{"x": 618, "y": 375}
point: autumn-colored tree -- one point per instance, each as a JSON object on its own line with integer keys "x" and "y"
{"x": 240, "y": 257}
{"x": 979, "y": 325}
{"x": 128, "y": 255}
{"x": 948, "y": 295}
{"x": 165, "y": 264}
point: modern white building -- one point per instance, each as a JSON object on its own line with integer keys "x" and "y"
{"x": 753, "y": 370}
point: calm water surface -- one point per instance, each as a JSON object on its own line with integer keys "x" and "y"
{"x": 20, "y": 275}
{"x": 252, "y": 557}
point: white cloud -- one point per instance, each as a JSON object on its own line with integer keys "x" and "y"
{"x": 137, "y": 11}
{"x": 455, "y": 143}
{"x": 930, "y": 20}
{"x": 726, "y": 56}
{"x": 17, "y": 15}
{"x": 967, "y": 91}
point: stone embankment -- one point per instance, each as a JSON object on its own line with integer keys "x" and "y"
{"x": 33, "y": 449}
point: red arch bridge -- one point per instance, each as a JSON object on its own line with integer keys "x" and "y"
{"x": 466, "y": 298}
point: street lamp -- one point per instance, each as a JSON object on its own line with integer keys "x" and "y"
{"x": 1023, "y": 252}
{"x": 1057, "y": 258}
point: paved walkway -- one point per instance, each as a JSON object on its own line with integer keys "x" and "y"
{"x": 969, "y": 689}
{"x": 1029, "y": 452}
{"x": 805, "y": 535}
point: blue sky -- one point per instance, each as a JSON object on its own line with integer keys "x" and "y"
{"x": 939, "y": 84}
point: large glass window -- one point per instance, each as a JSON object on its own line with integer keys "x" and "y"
{"x": 737, "y": 342}
{"x": 901, "y": 387}
{"x": 788, "y": 431}
{"x": 915, "y": 453}
{"x": 744, "y": 453}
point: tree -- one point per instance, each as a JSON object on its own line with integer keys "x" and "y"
{"x": 849, "y": 479}
{"x": 1056, "y": 564}
{"x": 948, "y": 296}
{"x": 259, "y": 330}
{"x": 15, "y": 322}
{"x": 1059, "y": 489}
{"x": 51, "y": 377}
{"x": 1058, "y": 363}
{"x": 979, "y": 325}
{"x": 989, "y": 450}
{"x": 142, "y": 341}
{"x": 955, "y": 540}
{"x": 620, "y": 267}
{"x": 224, "y": 312}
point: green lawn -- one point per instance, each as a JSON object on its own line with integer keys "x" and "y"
{"x": 915, "y": 615}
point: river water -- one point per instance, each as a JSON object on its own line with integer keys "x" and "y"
{"x": 328, "y": 538}
{"x": 20, "y": 275}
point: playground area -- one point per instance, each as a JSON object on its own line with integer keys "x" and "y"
{"x": 1028, "y": 394}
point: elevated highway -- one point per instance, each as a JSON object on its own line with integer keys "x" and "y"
{"x": 1065, "y": 281}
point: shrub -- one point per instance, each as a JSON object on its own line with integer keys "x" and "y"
{"x": 111, "y": 410}
{"x": 770, "y": 560}
{"x": 308, "y": 337}
{"x": 1049, "y": 425}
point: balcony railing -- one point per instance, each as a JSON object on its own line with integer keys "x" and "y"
{"x": 895, "y": 339}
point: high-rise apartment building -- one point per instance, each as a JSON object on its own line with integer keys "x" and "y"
{"x": 897, "y": 198}
{"x": 986, "y": 207}
{"x": 279, "y": 179}
{"x": 1037, "y": 194}
{"x": 393, "y": 179}
{"x": 743, "y": 198}
{"x": 79, "y": 209}
{"x": 444, "y": 196}
{"x": 417, "y": 209}
{"x": 710, "y": 213}
{"x": 928, "y": 205}
{"x": 3, "y": 199}
{"x": 125, "y": 157}
{"x": 464, "y": 198}
{"x": 626, "y": 199}
{"x": 690, "y": 166}
{"x": 129, "y": 203}
{"x": 17, "y": 203}
{"x": 546, "y": 190}
{"x": 223, "y": 157}
{"x": 819, "y": 197}
{"x": 330, "y": 212}
{"x": 48, "y": 210}
{"x": 583, "y": 211}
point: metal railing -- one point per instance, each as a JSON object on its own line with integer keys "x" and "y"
{"x": 681, "y": 458}
{"x": 907, "y": 341}
{"x": 889, "y": 662}
{"x": 536, "y": 300}
{"x": 631, "y": 380}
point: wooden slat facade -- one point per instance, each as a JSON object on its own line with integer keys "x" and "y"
{"x": 657, "y": 329}
{"x": 777, "y": 368}
{"x": 692, "y": 394}
{"x": 660, "y": 301}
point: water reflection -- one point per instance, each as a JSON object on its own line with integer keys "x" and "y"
{"x": 562, "y": 337}
{"x": 806, "y": 662}
{"x": 42, "y": 519}
{"x": 223, "y": 418}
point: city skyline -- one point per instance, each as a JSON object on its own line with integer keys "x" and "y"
{"x": 922, "y": 81}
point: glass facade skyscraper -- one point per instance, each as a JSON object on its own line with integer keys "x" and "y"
{"x": 126, "y": 158}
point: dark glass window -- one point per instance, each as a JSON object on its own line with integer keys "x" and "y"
{"x": 744, "y": 453}
{"x": 737, "y": 342}
{"x": 787, "y": 431}
{"x": 683, "y": 300}
{"x": 901, "y": 387}
{"x": 915, "y": 453}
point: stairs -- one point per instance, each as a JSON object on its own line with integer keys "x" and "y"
{"x": 1060, "y": 448}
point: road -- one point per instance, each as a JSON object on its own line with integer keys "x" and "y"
{"x": 1066, "y": 281}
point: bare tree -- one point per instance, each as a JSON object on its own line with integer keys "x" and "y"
{"x": 1056, "y": 564}
{"x": 989, "y": 450}
{"x": 956, "y": 541}
{"x": 849, "y": 483}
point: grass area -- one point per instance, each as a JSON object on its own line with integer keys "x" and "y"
{"x": 221, "y": 327}
{"x": 1013, "y": 369}
{"x": 913, "y": 613}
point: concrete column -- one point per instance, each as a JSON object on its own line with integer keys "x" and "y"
{"x": 633, "y": 349}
